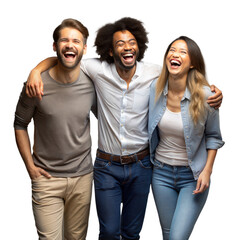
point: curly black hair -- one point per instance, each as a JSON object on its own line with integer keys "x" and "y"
{"x": 104, "y": 38}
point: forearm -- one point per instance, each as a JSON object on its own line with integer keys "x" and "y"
{"x": 204, "y": 178}
{"x": 45, "y": 64}
{"x": 210, "y": 160}
{"x": 24, "y": 147}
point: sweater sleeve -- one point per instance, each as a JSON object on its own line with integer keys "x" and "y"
{"x": 24, "y": 111}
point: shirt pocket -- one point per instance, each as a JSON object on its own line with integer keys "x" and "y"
{"x": 141, "y": 100}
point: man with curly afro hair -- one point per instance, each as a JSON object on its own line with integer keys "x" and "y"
{"x": 104, "y": 39}
{"x": 122, "y": 170}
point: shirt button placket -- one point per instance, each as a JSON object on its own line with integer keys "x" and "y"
{"x": 122, "y": 122}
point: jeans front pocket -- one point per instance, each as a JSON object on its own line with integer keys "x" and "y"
{"x": 145, "y": 163}
{"x": 101, "y": 163}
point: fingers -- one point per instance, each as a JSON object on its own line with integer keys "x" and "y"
{"x": 213, "y": 87}
{"x": 216, "y": 102}
{"x": 39, "y": 172}
{"x": 45, "y": 174}
{"x": 196, "y": 191}
{"x": 201, "y": 186}
{"x": 34, "y": 86}
{"x": 33, "y": 90}
{"x": 216, "y": 106}
{"x": 29, "y": 91}
{"x": 216, "y": 99}
{"x": 39, "y": 90}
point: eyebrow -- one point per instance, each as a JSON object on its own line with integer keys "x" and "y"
{"x": 74, "y": 39}
{"x": 180, "y": 48}
{"x": 132, "y": 39}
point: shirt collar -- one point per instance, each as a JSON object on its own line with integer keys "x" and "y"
{"x": 187, "y": 93}
{"x": 139, "y": 69}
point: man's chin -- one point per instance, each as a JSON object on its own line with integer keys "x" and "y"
{"x": 70, "y": 65}
{"x": 128, "y": 66}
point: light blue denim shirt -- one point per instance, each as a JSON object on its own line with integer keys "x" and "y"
{"x": 198, "y": 138}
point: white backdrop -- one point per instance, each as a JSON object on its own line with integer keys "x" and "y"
{"x": 26, "y": 38}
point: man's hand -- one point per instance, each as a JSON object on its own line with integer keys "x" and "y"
{"x": 36, "y": 172}
{"x": 215, "y": 100}
{"x": 34, "y": 86}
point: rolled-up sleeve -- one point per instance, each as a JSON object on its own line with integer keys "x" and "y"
{"x": 212, "y": 130}
{"x": 24, "y": 110}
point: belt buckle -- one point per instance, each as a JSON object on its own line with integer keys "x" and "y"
{"x": 126, "y": 159}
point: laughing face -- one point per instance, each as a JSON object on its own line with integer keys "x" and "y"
{"x": 178, "y": 61}
{"x": 125, "y": 50}
{"x": 70, "y": 47}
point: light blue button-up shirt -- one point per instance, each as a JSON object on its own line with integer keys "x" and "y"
{"x": 198, "y": 138}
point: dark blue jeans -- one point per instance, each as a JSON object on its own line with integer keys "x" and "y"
{"x": 127, "y": 184}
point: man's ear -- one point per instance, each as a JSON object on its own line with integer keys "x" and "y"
{"x": 111, "y": 52}
{"x": 85, "y": 49}
{"x": 54, "y": 47}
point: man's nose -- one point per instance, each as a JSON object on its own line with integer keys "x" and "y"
{"x": 69, "y": 44}
{"x": 128, "y": 46}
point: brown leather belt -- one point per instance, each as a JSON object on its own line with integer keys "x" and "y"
{"x": 123, "y": 159}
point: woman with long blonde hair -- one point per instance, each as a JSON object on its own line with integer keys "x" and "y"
{"x": 184, "y": 136}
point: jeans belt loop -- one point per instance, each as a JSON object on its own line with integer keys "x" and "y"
{"x": 136, "y": 157}
{"x": 111, "y": 158}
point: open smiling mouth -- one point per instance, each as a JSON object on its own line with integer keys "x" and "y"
{"x": 175, "y": 63}
{"x": 69, "y": 55}
{"x": 129, "y": 57}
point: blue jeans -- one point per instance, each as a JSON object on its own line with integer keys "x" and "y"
{"x": 127, "y": 184}
{"x": 178, "y": 208}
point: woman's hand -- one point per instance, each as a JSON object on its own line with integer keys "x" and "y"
{"x": 203, "y": 182}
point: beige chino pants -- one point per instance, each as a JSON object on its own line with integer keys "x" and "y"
{"x": 61, "y": 207}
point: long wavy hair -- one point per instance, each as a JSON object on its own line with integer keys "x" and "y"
{"x": 104, "y": 38}
{"x": 196, "y": 79}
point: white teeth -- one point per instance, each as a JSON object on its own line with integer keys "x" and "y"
{"x": 70, "y": 53}
{"x": 128, "y": 55}
{"x": 175, "y": 62}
